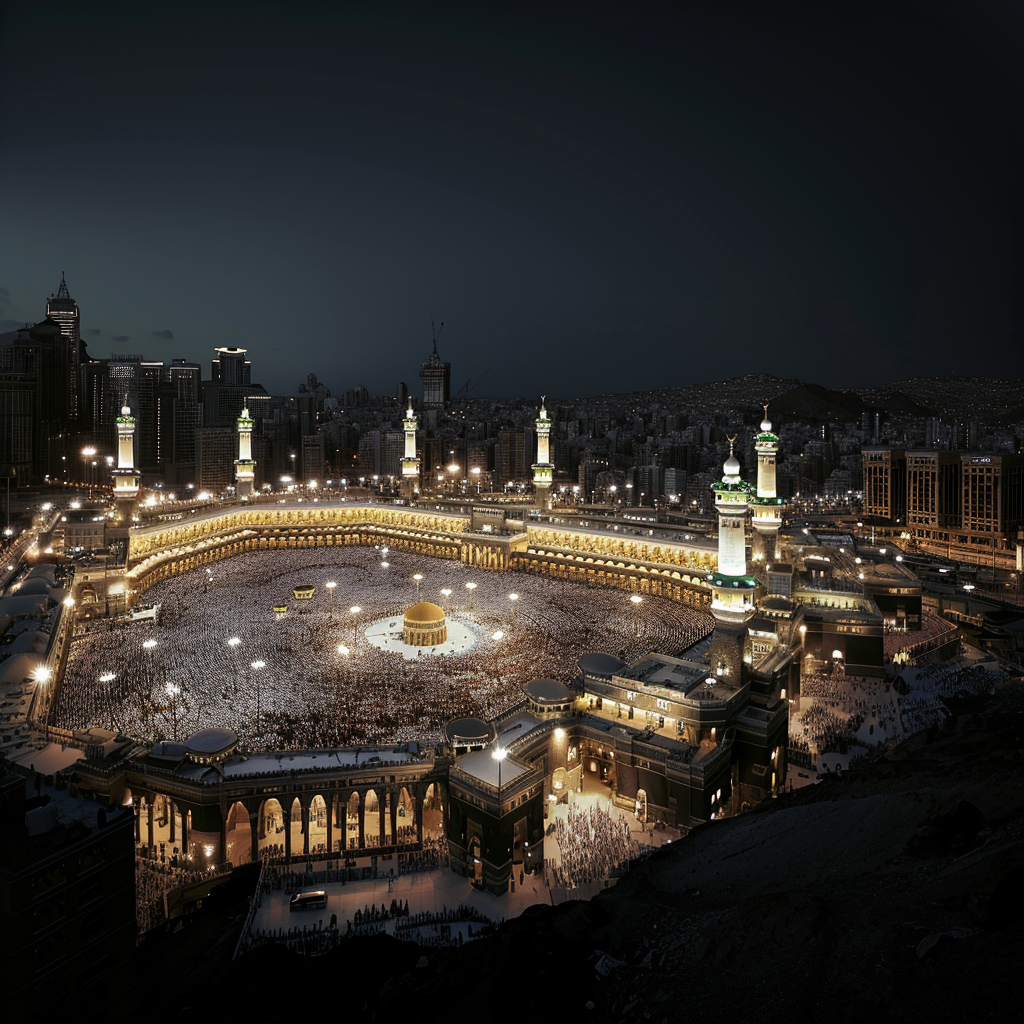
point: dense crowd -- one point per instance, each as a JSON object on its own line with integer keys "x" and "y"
{"x": 153, "y": 880}
{"x": 592, "y": 845}
{"x": 303, "y": 692}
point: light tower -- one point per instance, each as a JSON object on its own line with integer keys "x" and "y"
{"x": 766, "y": 505}
{"x": 245, "y": 464}
{"x": 410, "y": 461}
{"x": 732, "y": 589}
{"x": 542, "y": 468}
{"x": 126, "y": 475}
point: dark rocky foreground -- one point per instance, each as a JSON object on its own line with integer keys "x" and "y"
{"x": 890, "y": 894}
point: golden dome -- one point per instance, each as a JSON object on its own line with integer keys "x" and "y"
{"x": 424, "y": 612}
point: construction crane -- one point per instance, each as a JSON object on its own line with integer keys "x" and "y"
{"x": 465, "y": 389}
{"x": 436, "y": 333}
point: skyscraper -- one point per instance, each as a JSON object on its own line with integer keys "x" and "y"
{"x": 436, "y": 378}
{"x": 64, "y": 310}
{"x": 229, "y": 366}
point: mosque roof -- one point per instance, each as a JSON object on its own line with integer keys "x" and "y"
{"x": 469, "y": 730}
{"x": 599, "y": 664}
{"x": 211, "y": 741}
{"x": 544, "y": 690}
{"x": 425, "y": 611}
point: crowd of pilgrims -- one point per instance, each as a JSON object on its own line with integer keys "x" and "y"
{"x": 592, "y": 846}
{"x": 309, "y": 695}
{"x": 841, "y": 704}
{"x": 153, "y": 880}
{"x": 427, "y": 928}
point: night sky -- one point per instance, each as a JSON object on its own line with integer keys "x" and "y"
{"x": 592, "y": 198}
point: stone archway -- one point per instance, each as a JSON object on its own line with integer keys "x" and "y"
{"x": 237, "y": 835}
{"x": 433, "y": 812}
{"x": 317, "y": 825}
{"x": 270, "y": 830}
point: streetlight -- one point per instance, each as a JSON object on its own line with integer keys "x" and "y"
{"x": 418, "y": 577}
{"x": 87, "y": 454}
{"x": 173, "y": 689}
{"x": 446, "y": 592}
{"x": 636, "y": 599}
{"x": 471, "y": 587}
{"x": 355, "y": 610}
{"x": 476, "y": 473}
{"x": 514, "y": 598}
{"x": 330, "y": 593}
{"x": 968, "y": 587}
{"x": 256, "y": 666}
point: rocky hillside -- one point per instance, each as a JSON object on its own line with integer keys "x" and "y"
{"x": 891, "y": 893}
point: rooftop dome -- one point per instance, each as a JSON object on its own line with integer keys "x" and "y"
{"x": 544, "y": 691}
{"x": 425, "y": 611}
{"x": 468, "y": 730}
{"x": 211, "y": 741}
{"x": 598, "y": 664}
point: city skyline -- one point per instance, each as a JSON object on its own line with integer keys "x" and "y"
{"x": 799, "y": 196}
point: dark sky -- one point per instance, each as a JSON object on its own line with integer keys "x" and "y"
{"x": 592, "y": 198}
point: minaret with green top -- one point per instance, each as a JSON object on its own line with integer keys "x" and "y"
{"x": 766, "y": 506}
{"x": 245, "y": 464}
{"x": 732, "y": 589}
{"x": 543, "y": 471}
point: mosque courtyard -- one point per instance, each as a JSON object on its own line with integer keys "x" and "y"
{"x": 261, "y": 644}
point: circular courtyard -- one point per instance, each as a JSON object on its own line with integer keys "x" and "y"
{"x": 332, "y": 668}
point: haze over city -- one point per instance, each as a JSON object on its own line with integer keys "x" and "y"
{"x": 680, "y": 196}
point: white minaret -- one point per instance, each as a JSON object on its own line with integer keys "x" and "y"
{"x": 766, "y": 505}
{"x": 245, "y": 464}
{"x": 126, "y": 475}
{"x": 543, "y": 471}
{"x": 410, "y": 461}
{"x": 732, "y": 589}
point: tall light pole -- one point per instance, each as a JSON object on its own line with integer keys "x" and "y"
{"x": 471, "y": 586}
{"x": 514, "y": 598}
{"x": 256, "y": 666}
{"x": 355, "y": 610}
{"x": 330, "y": 593}
{"x": 446, "y": 592}
{"x": 233, "y": 643}
{"x": 173, "y": 689}
{"x": 418, "y": 577}
{"x": 87, "y": 455}
{"x": 636, "y": 599}
{"x": 968, "y": 587}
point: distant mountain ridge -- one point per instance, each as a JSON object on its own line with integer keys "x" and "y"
{"x": 961, "y": 398}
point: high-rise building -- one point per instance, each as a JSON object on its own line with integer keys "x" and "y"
{"x": 885, "y": 483}
{"x": 215, "y": 457}
{"x": 934, "y": 482}
{"x": 229, "y": 366}
{"x": 436, "y": 378}
{"x": 64, "y": 310}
